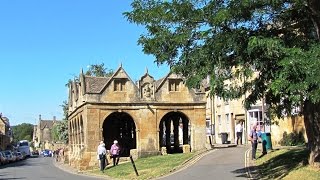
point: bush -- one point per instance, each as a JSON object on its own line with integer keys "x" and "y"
{"x": 292, "y": 139}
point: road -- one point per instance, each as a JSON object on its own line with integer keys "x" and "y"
{"x": 36, "y": 169}
{"x": 224, "y": 163}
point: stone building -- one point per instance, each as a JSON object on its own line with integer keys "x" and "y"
{"x": 222, "y": 116}
{"x": 149, "y": 117}
{"x": 42, "y": 137}
{"x": 5, "y": 133}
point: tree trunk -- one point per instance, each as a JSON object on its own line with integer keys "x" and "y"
{"x": 314, "y": 7}
{"x": 311, "y": 113}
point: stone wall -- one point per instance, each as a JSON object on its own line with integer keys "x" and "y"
{"x": 288, "y": 125}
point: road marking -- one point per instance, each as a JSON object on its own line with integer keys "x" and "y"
{"x": 246, "y": 163}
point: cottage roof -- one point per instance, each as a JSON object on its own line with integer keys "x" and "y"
{"x": 46, "y": 123}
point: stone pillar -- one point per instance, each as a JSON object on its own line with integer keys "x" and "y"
{"x": 186, "y": 148}
{"x": 168, "y": 130}
{"x": 185, "y": 132}
{"x": 176, "y": 133}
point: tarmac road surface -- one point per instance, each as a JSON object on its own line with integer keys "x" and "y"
{"x": 224, "y": 163}
{"x": 38, "y": 168}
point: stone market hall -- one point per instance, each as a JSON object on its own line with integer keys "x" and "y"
{"x": 149, "y": 117}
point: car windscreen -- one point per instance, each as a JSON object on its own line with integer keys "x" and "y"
{"x": 23, "y": 144}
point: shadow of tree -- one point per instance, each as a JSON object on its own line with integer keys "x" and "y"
{"x": 241, "y": 172}
{"x": 281, "y": 165}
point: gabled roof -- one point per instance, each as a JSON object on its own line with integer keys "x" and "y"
{"x": 161, "y": 81}
{"x": 46, "y": 123}
{"x": 116, "y": 73}
{"x": 95, "y": 84}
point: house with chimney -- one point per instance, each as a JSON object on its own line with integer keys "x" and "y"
{"x": 42, "y": 135}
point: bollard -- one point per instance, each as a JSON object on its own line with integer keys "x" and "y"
{"x": 134, "y": 166}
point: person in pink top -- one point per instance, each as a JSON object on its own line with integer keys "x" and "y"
{"x": 115, "y": 152}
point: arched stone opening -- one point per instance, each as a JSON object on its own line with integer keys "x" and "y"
{"x": 174, "y": 132}
{"x": 120, "y": 126}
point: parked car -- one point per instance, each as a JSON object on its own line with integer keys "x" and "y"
{"x": 35, "y": 153}
{"x": 3, "y": 158}
{"x": 10, "y": 156}
{"x": 19, "y": 156}
{"x": 47, "y": 153}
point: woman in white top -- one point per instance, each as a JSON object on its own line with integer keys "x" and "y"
{"x": 102, "y": 155}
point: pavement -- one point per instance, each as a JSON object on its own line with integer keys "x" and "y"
{"x": 216, "y": 154}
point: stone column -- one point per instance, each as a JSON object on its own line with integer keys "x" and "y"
{"x": 176, "y": 132}
{"x": 168, "y": 131}
{"x": 185, "y": 132}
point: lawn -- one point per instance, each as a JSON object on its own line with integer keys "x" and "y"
{"x": 286, "y": 164}
{"x": 147, "y": 168}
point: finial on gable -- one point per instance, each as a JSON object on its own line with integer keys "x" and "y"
{"x": 81, "y": 71}
{"x": 121, "y": 64}
{"x": 147, "y": 70}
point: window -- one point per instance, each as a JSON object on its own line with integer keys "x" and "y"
{"x": 219, "y": 119}
{"x": 119, "y": 84}
{"x": 256, "y": 117}
{"x": 174, "y": 84}
{"x": 227, "y": 118}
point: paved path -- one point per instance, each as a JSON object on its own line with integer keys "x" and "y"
{"x": 224, "y": 163}
{"x": 37, "y": 169}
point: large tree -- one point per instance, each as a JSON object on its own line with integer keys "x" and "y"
{"x": 22, "y": 131}
{"x": 229, "y": 40}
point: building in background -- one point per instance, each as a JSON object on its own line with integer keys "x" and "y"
{"x": 42, "y": 135}
{"x": 222, "y": 115}
{"x": 5, "y": 133}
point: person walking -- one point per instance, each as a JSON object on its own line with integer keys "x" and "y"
{"x": 102, "y": 152}
{"x": 253, "y": 137}
{"x": 115, "y": 152}
{"x": 239, "y": 130}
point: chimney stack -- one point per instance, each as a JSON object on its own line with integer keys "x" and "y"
{"x": 40, "y": 117}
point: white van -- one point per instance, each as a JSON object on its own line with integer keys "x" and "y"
{"x": 24, "y": 147}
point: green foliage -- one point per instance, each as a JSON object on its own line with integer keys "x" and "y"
{"x": 59, "y": 130}
{"x": 197, "y": 38}
{"x": 292, "y": 139}
{"x": 55, "y": 133}
{"x": 22, "y": 131}
{"x": 98, "y": 70}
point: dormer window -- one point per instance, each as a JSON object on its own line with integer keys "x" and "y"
{"x": 174, "y": 85}
{"x": 119, "y": 84}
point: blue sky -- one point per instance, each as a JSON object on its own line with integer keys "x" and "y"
{"x": 45, "y": 43}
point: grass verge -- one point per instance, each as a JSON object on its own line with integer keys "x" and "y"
{"x": 148, "y": 168}
{"x": 286, "y": 164}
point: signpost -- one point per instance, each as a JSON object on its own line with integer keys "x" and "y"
{"x": 134, "y": 166}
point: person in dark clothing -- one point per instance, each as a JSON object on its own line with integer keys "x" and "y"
{"x": 253, "y": 137}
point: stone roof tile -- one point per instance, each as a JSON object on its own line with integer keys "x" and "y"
{"x": 95, "y": 84}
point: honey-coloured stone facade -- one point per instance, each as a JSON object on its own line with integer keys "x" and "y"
{"x": 149, "y": 117}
